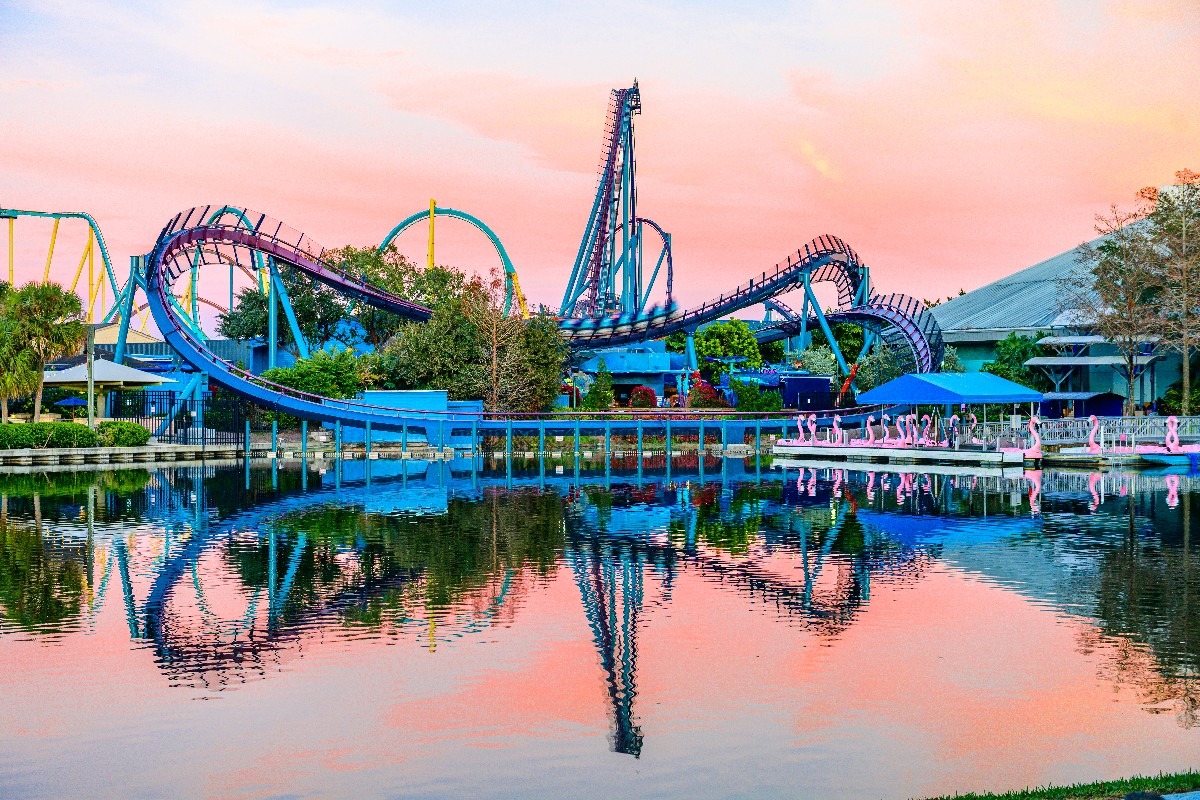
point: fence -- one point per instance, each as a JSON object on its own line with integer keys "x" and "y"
{"x": 216, "y": 419}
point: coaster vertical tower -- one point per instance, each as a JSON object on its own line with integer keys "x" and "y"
{"x": 607, "y": 278}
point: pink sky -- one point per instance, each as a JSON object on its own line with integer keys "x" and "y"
{"x": 950, "y": 144}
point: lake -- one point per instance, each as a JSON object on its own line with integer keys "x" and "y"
{"x": 419, "y": 630}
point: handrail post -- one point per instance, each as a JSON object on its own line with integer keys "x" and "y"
{"x": 367, "y": 437}
{"x": 404, "y": 437}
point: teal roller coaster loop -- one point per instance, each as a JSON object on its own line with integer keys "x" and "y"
{"x": 511, "y": 285}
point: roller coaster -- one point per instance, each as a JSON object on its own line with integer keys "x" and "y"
{"x": 607, "y": 301}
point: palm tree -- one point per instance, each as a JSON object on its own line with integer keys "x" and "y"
{"x": 17, "y": 375}
{"x": 47, "y": 323}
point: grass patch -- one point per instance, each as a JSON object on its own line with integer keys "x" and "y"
{"x": 1106, "y": 790}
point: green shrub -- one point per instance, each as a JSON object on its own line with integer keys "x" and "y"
{"x": 120, "y": 433}
{"x": 47, "y": 435}
{"x": 750, "y": 397}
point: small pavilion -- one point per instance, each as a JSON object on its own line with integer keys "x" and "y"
{"x": 106, "y": 377}
{"x": 949, "y": 389}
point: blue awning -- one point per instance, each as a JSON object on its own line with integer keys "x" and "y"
{"x": 946, "y": 388}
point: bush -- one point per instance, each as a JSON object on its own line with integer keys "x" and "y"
{"x": 643, "y": 397}
{"x": 703, "y": 395}
{"x": 600, "y": 396}
{"x": 46, "y": 435}
{"x": 750, "y": 397}
{"x": 119, "y": 433}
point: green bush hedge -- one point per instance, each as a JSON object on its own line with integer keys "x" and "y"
{"x": 119, "y": 433}
{"x": 47, "y": 435}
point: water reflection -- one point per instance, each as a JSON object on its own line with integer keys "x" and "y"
{"x": 227, "y": 573}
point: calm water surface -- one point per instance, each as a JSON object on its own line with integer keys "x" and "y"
{"x": 222, "y": 632}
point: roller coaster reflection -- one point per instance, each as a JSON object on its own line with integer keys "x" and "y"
{"x": 243, "y": 568}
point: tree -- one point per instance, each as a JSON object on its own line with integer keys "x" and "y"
{"x": 600, "y": 397}
{"x": 878, "y": 367}
{"x": 325, "y": 374}
{"x": 392, "y": 272}
{"x": 18, "y": 374}
{"x": 484, "y": 303}
{"x": 1115, "y": 291}
{"x": 1011, "y": 354}
{"x": 818, "y": 359}
{"x": 772, "y": 352}
{"x": 47, "y": 323}
{"x": 950, "y": 360}
{"x": 849, "y": 339}
{"x": 1174, "y": 233}
{"x": 537, "y": 370}
{"x": 445, "y": 352}
{"x": 723, "y": 339}
{"x": 320, "y": 314}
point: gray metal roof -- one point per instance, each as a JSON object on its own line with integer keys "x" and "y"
{"x": 1025, "y": 300}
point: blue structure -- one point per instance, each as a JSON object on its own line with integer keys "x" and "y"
{"x": 966, "y": 388}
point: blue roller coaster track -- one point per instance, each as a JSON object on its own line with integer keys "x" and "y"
{"x": 605, "y": 305}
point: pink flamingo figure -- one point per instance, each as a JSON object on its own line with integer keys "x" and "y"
{"x": 1036, "y": 450}
{"x": 837, "y": 429}
{"x": 1093, "y": 445}
{"x": 901, "y": 432}
{"x": 912, "y": 429}
{"x": 1172, "y": 482}
{"x": 887, "y": 430}
{"x": 800, "y": 430}
{"x": 871, "y": 430}
{"x": 1034, "y": 476}
{"x": 812, "y": 428}
{"x": 971, "y": 431}
{"x": 927, "y": 420}
{"x": 1094, "y": 481}
{"x": 1173, "y": 435}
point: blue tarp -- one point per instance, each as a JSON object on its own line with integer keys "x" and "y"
{"x": 946, "y": 388}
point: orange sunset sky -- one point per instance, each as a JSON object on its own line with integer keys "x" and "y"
{"x": 949, "y": 143}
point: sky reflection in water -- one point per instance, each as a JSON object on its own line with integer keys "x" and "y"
{"x": 217, "y": 632}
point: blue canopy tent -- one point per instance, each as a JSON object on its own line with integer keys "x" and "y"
{"x": 947, "y": 388}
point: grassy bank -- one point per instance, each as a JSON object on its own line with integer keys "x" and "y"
{"x": 1107, "y": 790}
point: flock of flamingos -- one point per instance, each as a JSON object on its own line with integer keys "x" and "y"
{"x": 914, "y": 433}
